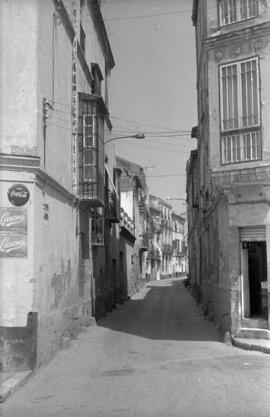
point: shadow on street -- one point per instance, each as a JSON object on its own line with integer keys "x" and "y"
{"x": 162, "y": 310}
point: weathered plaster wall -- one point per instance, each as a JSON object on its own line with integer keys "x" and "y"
{"x": 216, "y": 267}
{"x": 55, "y": 84}
{"x": 18, "y": 76}
{"x": 127, "y": 202}
{"x": 52, "y": 282}
{"x": 131, "y": 261}
{"x": 221, "y": 282}
{"x": 62, "y": 296}
{"x": 240, "y": 216}
{"x": 93, "y": 50}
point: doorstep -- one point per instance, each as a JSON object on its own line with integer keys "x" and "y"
{"x": 11, "y": 381}
{"x": 252, "y": 339}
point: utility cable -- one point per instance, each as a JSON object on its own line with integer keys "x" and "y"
{"x": 148, "y": 124}
{"x": 153, "y": 148}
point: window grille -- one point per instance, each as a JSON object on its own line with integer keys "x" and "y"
{"x": 241, "y": 147}
{"x": 231, "y": 11}
{"x": 90, "y": 149}
{"x": 240, "y": 111}
{"x": 91, "y": 152}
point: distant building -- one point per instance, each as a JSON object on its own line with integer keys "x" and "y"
{"x": 193, "y": 197}
{"x": 229, "y": 228}
{"x": 133, "y": 227}
{"x": 179, "y": 255}
{"x": 160, "y": 255}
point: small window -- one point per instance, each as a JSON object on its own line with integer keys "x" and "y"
{"x": 97, "y": 79}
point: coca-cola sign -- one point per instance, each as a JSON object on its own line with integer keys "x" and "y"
{"x": 13, "y": 219}
{"x": 18, "y": 194}
{"x": 13, "y": 245}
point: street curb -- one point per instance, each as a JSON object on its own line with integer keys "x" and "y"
{"x": 16, "y": 381}
{"x": 13, "y": 383}
{"x": 244, "y": 344}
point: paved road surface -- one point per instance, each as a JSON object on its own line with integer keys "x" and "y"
{"x": 153, "y": 357}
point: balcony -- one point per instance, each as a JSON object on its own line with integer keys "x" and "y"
{"x": 167, "y": 249}
{"x": 158, "y": 225}
{"x": 127, "y": 226}
{"x": 144, "y": 243}
{"x": 91, "y": 169}
{"x": 113, "y": 207}
{"x": 154, "y": 251}
{"x": 91, "y": 194}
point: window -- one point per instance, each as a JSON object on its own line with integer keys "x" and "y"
{"x": 240, "y": 111}
{"x": 91, "y": 150}
{"x": 97, "y": 226}
{"x": 84, "y": 235}
{"x": 97, "y": 79}
{"x": 231, "y": 11}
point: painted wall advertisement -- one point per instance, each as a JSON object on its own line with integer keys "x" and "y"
{"x": 13, "y": 232}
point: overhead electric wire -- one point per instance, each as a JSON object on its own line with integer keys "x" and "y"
{"x": 146, "y": 16}
{"x": 156, "y": 141}
{"x": 53, "y": 102}
{"x": 153, "y": 12}
{"x": 154, "y": 136}
{"x": 148, "y": 124}
{"x": 143, "y": 16}
{"x": 129, "y": 143}
{"x": 168, "y": 136}
{"x": 142, "y": 6}
{"x": 61, "y": 127}
{"x": 154, "y": 133}
{"x": 165, "y": 175}
{"x": 180, "y": 145}
{"x": 155, "y": 148}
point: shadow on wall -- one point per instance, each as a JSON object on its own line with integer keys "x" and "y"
{"x": 164, "y": 310}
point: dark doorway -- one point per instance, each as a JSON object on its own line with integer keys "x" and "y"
{"x": 122, "y": 276}
{"x": 114, "y": 280}
{"x": 257, "y": 272}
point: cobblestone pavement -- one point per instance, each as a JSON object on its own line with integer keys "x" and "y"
{"x": 155, "y": 356}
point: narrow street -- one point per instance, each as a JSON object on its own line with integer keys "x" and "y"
{"x": 154, "y": 356}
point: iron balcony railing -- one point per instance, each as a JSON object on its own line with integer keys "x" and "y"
{"x": 167, "y": 249}
{"x": 144, "y": 241}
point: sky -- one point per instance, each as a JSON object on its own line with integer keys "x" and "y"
{"x": 153, "y": 89}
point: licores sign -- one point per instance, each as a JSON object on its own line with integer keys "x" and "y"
{"x": 13, "y": 232}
